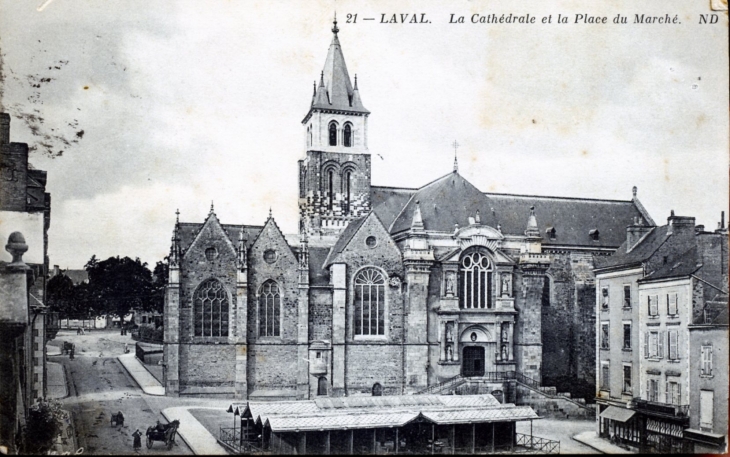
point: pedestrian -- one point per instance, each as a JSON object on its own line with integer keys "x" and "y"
{"x": 137, "y": 435}
{"x": 71, "y": 353}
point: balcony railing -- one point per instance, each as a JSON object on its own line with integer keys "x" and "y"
{"x": 231, "y": 438}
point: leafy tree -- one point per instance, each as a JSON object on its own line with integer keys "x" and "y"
{"x": 60, "y": 295}
{"x": 118, "y": 285}
{"x": 43, "y": 424}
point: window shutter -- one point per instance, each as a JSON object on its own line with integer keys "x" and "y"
{"x": 679, "y": 393}
{"x": 660, "y": 337}
{"x": 667, "y": 394}
{"x": 646, "y": 345}
{"x": 672, "y": 345}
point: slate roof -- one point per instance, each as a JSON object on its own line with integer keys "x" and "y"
{"x": 188, "y": 231}
{"x": 317, "y": 275}
{"x": 452, "y": 199}
{"x": 335, "y": 91}
{"x": 681, "y": 266}
{"x": 76, "y": 276}
{"x": 371, "y": 412}
{"x": 344, "y": 239}
{"x": 641, "y": 252}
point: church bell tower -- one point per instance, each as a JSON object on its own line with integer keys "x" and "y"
{"x": 334, "y": 177}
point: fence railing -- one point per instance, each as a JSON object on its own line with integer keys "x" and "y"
{"x": 231, "y": 438}
{"x": 448, "y": 383}
{"x": 537, "y": 444}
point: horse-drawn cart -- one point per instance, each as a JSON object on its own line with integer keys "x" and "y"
{"x": 67, "y": 347}
{"x": 163, "y": 432}
{"x": 117, "y": 418}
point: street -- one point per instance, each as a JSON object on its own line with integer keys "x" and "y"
{"x": 561, "y": 430}
{"x": 99, "y": 386}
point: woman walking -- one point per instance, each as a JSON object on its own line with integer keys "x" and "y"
{"x": 137, "y": 435}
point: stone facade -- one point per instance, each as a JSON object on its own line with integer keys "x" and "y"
{"x": 384, "y": 290}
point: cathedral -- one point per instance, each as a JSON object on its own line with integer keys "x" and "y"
{"x": 385, "y": 290}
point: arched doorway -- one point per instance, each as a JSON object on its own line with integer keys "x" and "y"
{"x": 473, "y": 361}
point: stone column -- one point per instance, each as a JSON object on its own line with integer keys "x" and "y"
{"x": 241, "y": 334}
{"x": 171, "y": 346}
{"x": 339, "y": 306}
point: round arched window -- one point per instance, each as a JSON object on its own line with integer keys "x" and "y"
{"x": 371, "y": 241}
{"x": 475, "y": 280}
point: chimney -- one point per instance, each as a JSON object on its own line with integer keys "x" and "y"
{"x": 699, "y": 228}
{"x": 4, "y": 128}
{"x": 677, "y": 225}
{"x": 635, "y": 232}
{"x": 55, "y": 270}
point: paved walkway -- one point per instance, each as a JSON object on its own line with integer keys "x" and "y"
{"x": 197, "y": 437}
{"x": 142, "y": 377}
{"x": 589, "y": 438}
{"x": 52, "y": 350}
{"x": 56, "y": 378}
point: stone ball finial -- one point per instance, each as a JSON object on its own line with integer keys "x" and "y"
{"x": 16, "y": 247}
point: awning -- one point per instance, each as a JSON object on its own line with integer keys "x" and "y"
{"x": 618, "y": 414}
{"x": 701, "y": 436}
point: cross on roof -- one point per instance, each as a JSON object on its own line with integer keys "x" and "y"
{"x": 455, "y": 145}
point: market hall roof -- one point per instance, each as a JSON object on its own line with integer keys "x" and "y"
{"x": 372, "y": 412}
{"x": 451, "y": 200}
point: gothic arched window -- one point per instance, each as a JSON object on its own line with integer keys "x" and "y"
{"x": 475, "y": 280}
{"x": 348, "y": 135}
{"x": 269, "y": 309}
{"x": 210, "y": 305}
{"x": 346, "y": 189}
{"x": 333, "y": 134}
{"x": 369, "y": 311}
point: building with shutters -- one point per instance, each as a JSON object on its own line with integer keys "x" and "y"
{"x": 386, "y": 290}
{"x": 660, "y": 286}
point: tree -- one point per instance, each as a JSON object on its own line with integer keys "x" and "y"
{"x": 44, "y": 422}
{"x": 60, "y": 296}
{"x": 118, "y": 285}
{"x": 159, "y": 283}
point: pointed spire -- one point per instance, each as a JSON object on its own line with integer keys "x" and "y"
{"x": 417, "y": 222}
{"x": 212, "y": 209}
{"x": 532, "y": 230}
{"x": 455, "y": 145}
{"x": 174, "y": 259}
{"x": 241, "y": 250}
{"x": 270, "y": 214}
{"x": 338, "y": 91}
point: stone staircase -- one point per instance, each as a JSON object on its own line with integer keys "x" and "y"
{"x": 518, "y": 389}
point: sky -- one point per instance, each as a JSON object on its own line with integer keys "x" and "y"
{"x": 137, "y": 108}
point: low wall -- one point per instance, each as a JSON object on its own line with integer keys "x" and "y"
{"x": 546, "y": 405}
